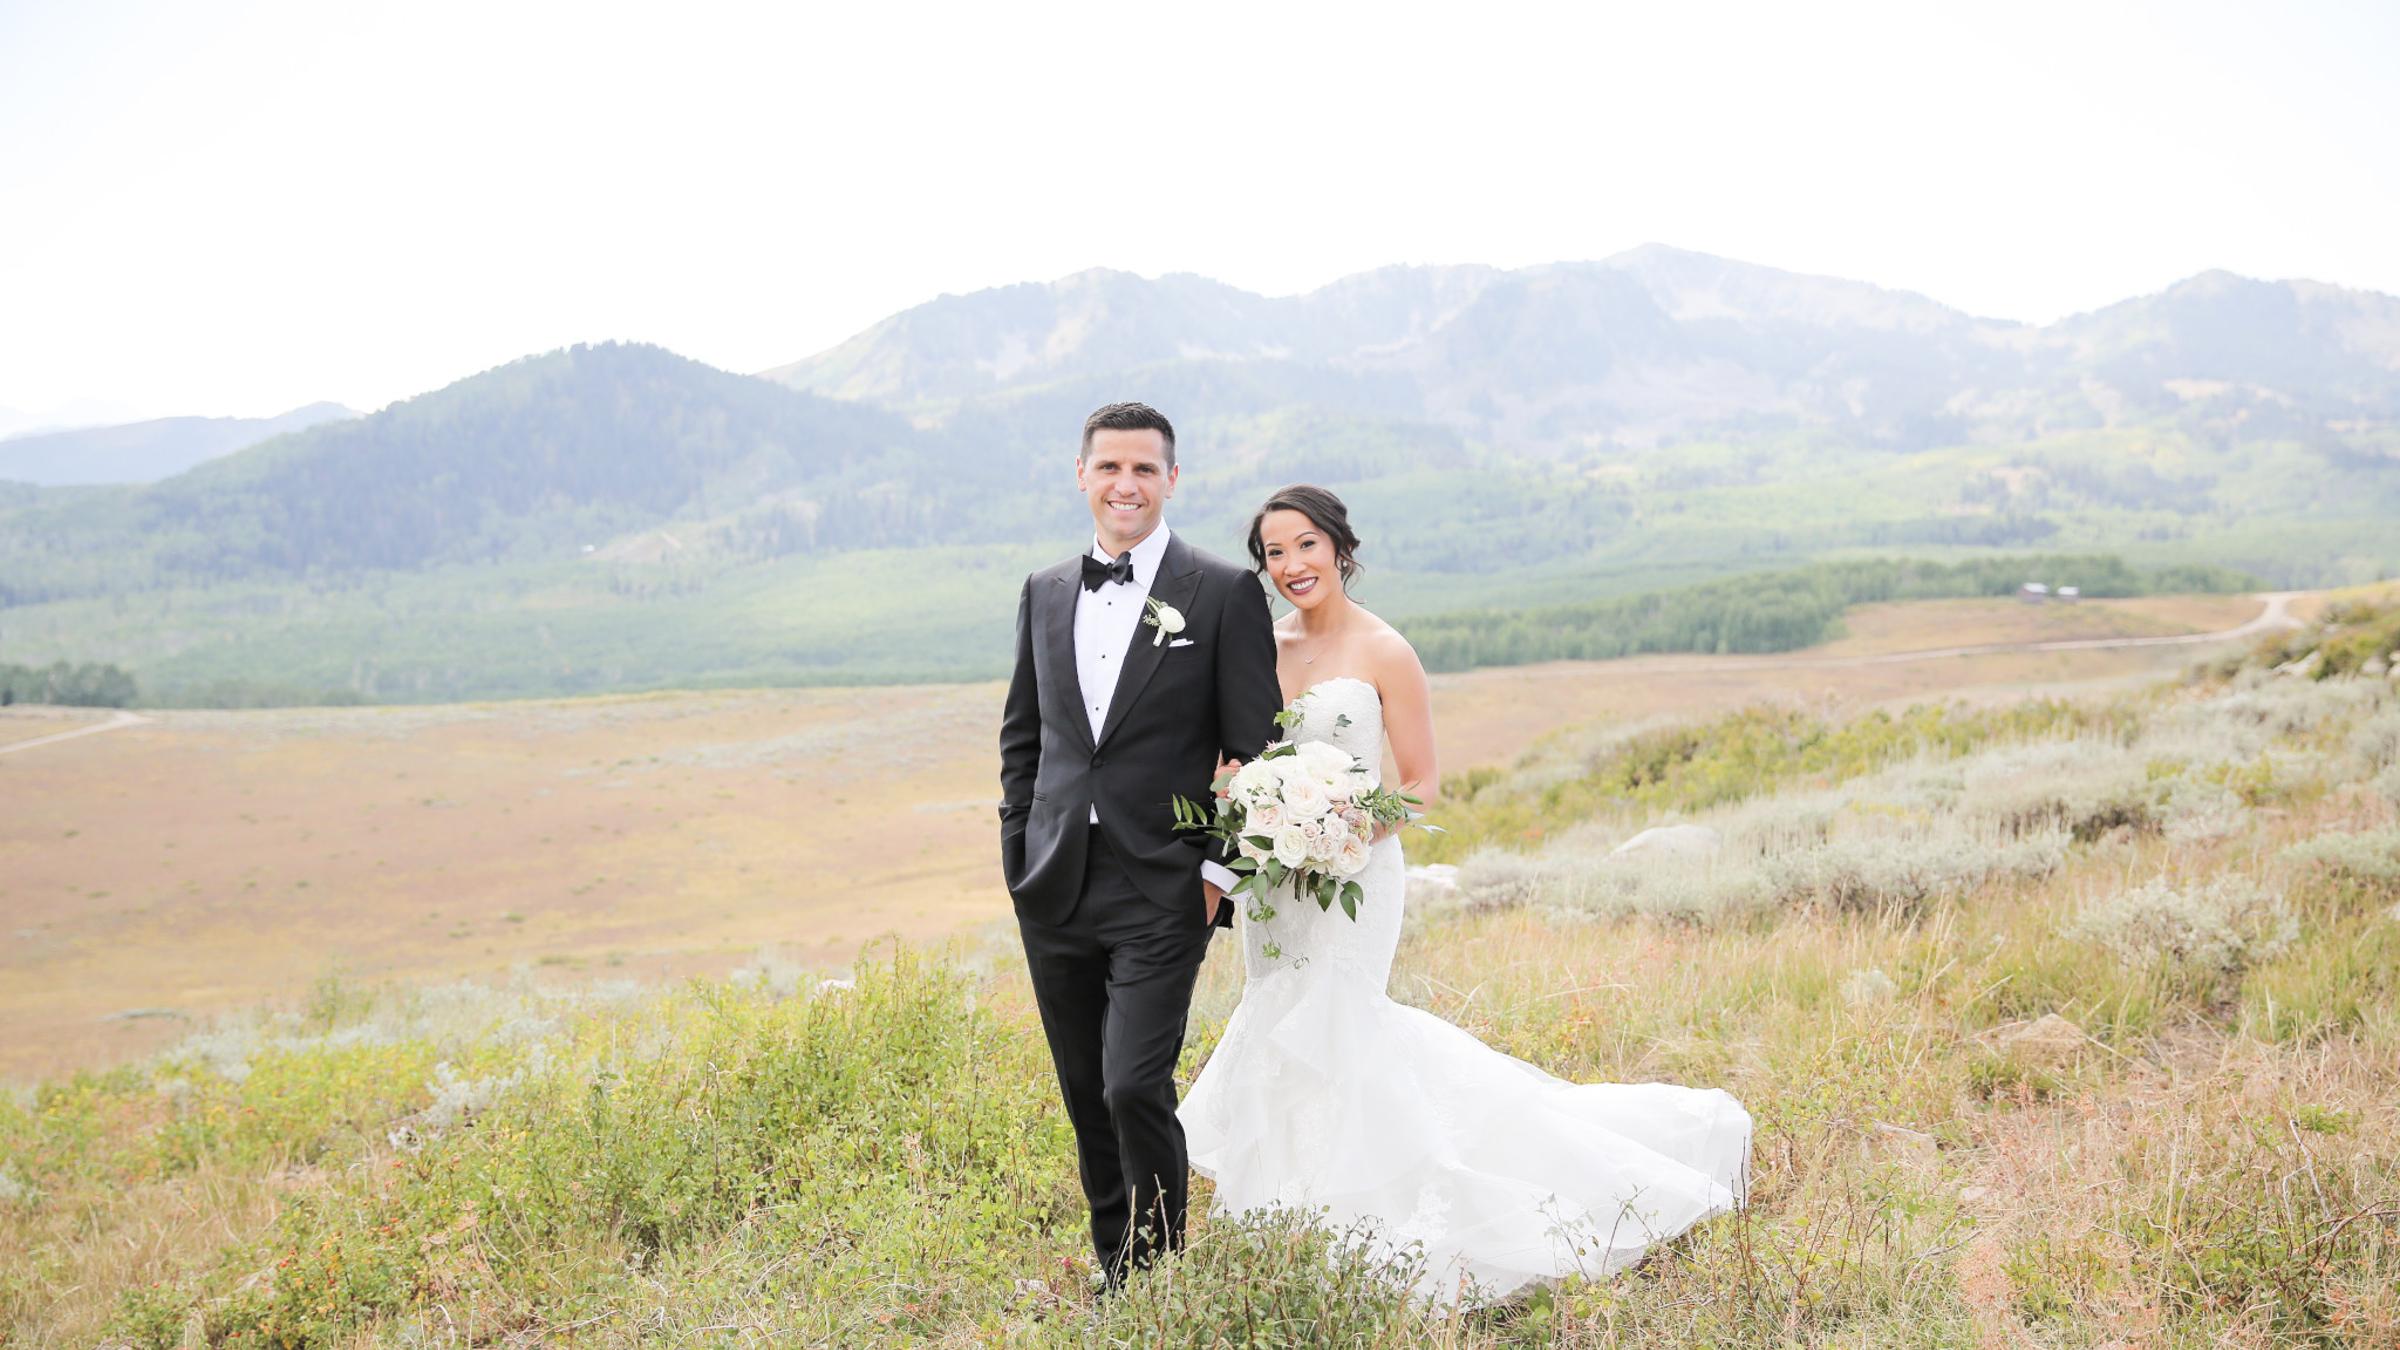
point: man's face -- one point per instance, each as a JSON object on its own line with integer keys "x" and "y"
{"x": 1126, "y": 478}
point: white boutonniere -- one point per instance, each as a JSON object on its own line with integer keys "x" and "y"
{"x": 1164, "y": 617}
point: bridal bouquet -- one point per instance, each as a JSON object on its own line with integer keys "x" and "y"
{"x": 1299, "y": 813}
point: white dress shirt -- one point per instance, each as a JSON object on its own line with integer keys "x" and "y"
{"x": 1105, "y": 623}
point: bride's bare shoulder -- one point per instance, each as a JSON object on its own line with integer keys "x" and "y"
{"x": 1387, "y": 648}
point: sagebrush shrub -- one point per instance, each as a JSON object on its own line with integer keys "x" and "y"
{"x": 1693, "y": 890}
{"x": 2200, "y": 812}
{"x": 2253, "y": 717}
{"x": 2372, "y": 856}
{"x": 1493, "y": 879}
{"x": 458, "y": 1099}
{"x": 2377, "y": 739}
{"x": 2219, "y": 926}
{"x": 1871, "y": 874}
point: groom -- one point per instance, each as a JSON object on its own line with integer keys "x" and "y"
{"x": 1139, "y": 663}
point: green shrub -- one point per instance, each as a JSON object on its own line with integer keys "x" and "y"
{"x": 2353, "y": 636}
{"x": 293, "y": 1105}
{"x": 150, "y": 1318}
{"x": 1271, "y": 1280}
{"x": 880, "y": 1127}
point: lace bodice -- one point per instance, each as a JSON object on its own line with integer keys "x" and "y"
{"x": 1347, "y": 712}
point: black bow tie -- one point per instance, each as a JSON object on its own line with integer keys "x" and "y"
{"x": 1096, "y": 573}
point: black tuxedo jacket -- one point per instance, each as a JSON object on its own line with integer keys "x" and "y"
{"x": 1176, "y": 709}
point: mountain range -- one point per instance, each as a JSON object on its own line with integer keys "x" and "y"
{"x": 618, "y": 516}
{"x": 1649, "y": 347}
{"x": 145, "y": 452}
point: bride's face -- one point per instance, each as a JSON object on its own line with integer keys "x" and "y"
{"x": 1300, "y": 559}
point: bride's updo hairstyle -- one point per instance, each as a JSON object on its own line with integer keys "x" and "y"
{"x": 1325, "y": 511}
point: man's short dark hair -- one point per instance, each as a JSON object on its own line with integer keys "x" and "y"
{"x": 1129, "y": 417}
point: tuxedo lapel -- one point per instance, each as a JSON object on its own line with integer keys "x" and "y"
{"x": 1058, "y": 644}
{"x": 1178, "y": 581}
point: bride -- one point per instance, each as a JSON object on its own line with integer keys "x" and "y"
{"x": 1326, "y": 1095}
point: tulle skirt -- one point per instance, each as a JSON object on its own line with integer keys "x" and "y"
{"x": 1325, "y": 1095}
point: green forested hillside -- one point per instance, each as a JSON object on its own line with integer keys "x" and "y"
{"x": 528, "y": 460}
{"x": 1555, "y": 439}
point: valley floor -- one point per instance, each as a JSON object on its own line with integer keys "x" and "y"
{"x": 201, "y": 861}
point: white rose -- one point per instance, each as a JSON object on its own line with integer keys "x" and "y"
{"x": 1327, "y": 764}
{"x": 1255, "y": 780}
{"x": 1291, "y": 847}
{"x": 1336, "y": 830}
{"x": 1305, "y": 797}
{"x": 1353, "y": 857}
{"x": 1264, "y": 818}
{"x": 1251, "y": 851}
{"x": 1167, "y": 619}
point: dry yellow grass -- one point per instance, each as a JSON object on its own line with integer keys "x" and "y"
{"x": 209, "y": 860}
{"x": 2372, "y": 593}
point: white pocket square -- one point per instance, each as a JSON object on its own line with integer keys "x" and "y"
{"x": 1181, "y": 642}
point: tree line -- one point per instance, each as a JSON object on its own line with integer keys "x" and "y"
{"x": 85, "y": 685}
{"x": 1771, "y": 611}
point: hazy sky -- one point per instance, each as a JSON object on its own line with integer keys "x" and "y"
{"x": 231, "y": 208}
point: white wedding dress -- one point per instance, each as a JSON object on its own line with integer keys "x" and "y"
{"x": 1326, "y": 1095}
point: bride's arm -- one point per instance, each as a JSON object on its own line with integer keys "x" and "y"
{"x": 1408, "y": 720}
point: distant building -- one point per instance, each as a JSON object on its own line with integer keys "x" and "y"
{"x": 2033, "y": 592}
{"x": 2070, "y": 592}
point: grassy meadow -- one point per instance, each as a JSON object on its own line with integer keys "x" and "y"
{"x": 2066, "y": 1020}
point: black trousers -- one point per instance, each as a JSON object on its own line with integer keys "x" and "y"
{"x": 1114, "y": 982}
